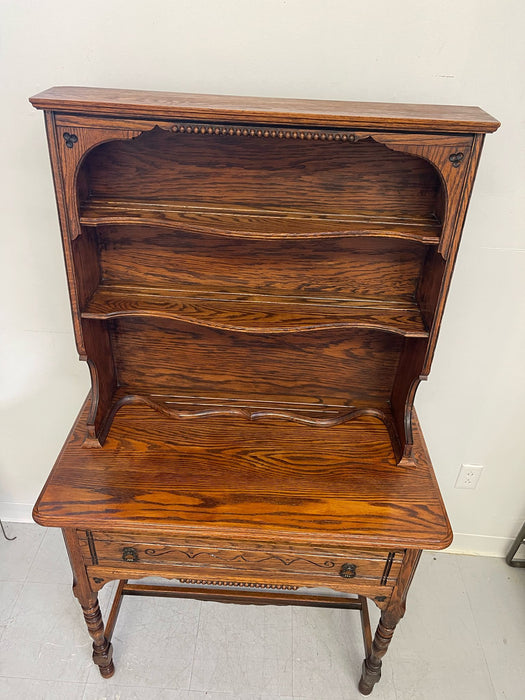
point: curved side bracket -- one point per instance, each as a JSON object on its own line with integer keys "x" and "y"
{"x": 409, "y": 374}
{"x": 74, "y": 145}
{"x": 103, "y": 380}
{"x": 449, "y": 155}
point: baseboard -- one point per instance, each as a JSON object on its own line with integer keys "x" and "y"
{"x": 16, "y": 512}
{"x": 481, "y": 545}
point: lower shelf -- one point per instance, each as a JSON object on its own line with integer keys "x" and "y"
{"x": 257, "y": 313}
{"x": 307, "y": 412}
{"x": 186, "y": 407}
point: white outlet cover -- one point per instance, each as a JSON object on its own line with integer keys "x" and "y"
{"x": 468, "y": 477}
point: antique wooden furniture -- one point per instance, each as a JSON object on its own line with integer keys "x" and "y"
{"x": 257, "y": 286}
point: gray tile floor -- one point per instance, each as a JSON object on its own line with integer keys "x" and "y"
{"x": 463, "y": 638}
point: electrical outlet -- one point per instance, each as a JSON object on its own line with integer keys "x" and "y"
{"x": 468, "y": 476}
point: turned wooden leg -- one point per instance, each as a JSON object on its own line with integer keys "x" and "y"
{"x": 88, "y": 599}
{"x": 371, "y": 671}
{"x": 393, "y": 612}
{"x": 102, "y": 649}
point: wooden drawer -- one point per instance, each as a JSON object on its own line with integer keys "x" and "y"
{"x": 205, "y": 559}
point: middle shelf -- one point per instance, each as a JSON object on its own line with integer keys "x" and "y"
{"x": 259, "y": 222}
{"x": 256, "y": 313}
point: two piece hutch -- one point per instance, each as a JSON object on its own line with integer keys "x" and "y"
{"x": 257, "y": 286}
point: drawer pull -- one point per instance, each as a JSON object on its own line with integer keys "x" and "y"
{"x": 130, "y": 554}
{"x": 347, "y": 571}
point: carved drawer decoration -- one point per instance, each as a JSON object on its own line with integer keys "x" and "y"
{"x": 380, "y": 567}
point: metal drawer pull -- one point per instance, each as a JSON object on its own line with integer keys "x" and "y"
{"x": 130, "y": 554}
{"x": 347, "y": 571}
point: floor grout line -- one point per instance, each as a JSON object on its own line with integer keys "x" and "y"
{"x": 10, "y": 612}
{"x": 40, "y": 680}
{"x": 292, "y": 615}
{"x": 22, "y": 586}
{"x": 195, "y": 645}
{"x": 481, "y": 645}
{"x": 42, "y": 540}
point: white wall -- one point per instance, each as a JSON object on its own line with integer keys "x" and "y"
{"x": 468, "y": 52}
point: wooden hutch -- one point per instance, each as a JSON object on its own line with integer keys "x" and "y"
{"x": 257, "y": 286}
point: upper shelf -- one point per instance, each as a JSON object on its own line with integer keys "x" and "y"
{"x": 257, "y": 223}
{"x": 256, "y": 313}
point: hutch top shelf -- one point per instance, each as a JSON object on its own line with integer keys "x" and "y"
{"x": 333, "y": 113}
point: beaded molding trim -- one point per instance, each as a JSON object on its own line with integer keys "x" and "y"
{"x": 303, "y": 134}
{"x": 240, "y": 584}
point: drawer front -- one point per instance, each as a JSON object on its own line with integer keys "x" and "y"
{"x": 205, "y": 559}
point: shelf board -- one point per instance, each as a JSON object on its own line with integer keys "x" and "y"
{"x": 256, "y": 313}
{"x": 257, "y": 223}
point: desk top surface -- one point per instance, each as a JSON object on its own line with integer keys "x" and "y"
{"x": 232, "y": 477}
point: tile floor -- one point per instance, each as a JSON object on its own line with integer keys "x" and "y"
{"x": 463, "y": 638}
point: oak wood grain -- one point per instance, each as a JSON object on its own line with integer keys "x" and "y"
{"x": 362, "y": 267}
{"x": 255, "y": 313}
{"x": 351, "y": 367}
{"x": 365, "y": 178}
{"x": 223, "y": 559}
{"x": 262, "y": 222}
{"x": 255, "y": 480}
{"x": 150, "y": 104}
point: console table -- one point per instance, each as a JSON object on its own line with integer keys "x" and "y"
{"x": 257, "y": 286}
